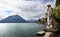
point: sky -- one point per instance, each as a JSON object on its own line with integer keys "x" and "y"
{"x": 27, "y": 9}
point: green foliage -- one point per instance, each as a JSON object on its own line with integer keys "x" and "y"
{"x": 38, "y": 21}
{"x": 41, "y": 21}
{"x": 56, "y": 11}
{"x": 58, "y": 27}
{"x": 57, "y": 2}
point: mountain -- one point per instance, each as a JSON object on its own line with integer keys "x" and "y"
{"x": 32, "y": 21}
{"x": 14, "y": 19}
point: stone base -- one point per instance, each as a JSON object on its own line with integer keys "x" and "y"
{"x": 49, "y": 34}
{"x": 41, "y": 33}
{"x": 51, "y": 30}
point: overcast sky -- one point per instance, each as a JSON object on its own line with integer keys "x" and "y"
{"x": 28, "y": 9}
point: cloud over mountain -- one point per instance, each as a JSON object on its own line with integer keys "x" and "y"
{"x": 25, "y": 8}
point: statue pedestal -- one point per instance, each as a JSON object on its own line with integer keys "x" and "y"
{"x": 41, "y": 33}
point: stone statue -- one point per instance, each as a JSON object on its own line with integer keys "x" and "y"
{"x": 49, "y": 16}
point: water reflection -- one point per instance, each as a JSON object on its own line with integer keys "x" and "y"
{"x": 20, "y": 29}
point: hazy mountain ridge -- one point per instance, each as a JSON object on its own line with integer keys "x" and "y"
{"x": 15, "y": 19}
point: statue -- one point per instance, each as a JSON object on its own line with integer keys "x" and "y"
{"x": 49, "y": 16}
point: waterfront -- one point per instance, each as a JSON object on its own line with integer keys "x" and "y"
{"x": 20, "y": 29}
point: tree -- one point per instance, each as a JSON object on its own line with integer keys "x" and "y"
{"x": 57, "y": 2}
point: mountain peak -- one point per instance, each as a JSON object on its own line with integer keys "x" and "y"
{"x": 16, "y": 15}
{"x": 13, "y": 19}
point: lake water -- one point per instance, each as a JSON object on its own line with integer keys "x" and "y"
{"x": 20, "y": 29}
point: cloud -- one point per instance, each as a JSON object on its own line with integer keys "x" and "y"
{"x": 3, "y": 15}
{"x": 27, "y": 9}
{"x": 38, "y": 0}
{"x": 33, "y": 9}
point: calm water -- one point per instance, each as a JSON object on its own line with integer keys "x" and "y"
{"x": 20, "y": 29}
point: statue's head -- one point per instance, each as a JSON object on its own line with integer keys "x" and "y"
{"x": 48, "y": 5}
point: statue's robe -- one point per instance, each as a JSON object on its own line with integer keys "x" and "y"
{"x": 49, "y": 18}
